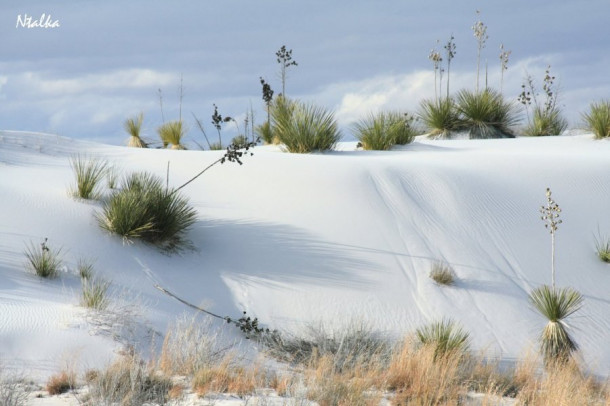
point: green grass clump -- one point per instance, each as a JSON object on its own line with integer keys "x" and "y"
{"x": 384, "y": 130}
{"x": 88, "y": 173}
{"x": 171, "y": 133}
{"x": 43, "y": 261}
{"x": 440, "y": 117}
{"x": 545, "y": 122}
{"x": 598, "y": 119}
{"x": 133, "y": 126}
{"x": 442, "y": 274}
{"x": 94, "y": 293}
{"x": 602, "y": 247}
{"x": 486, "y": 114}
{"x": 445, "y": 336}
{"x": 265, "y": 133}
{"x": 304, "y": 128}
{"x": 556, "y": 305}
{"x": 144, "y": 209}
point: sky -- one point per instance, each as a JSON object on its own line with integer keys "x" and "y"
{"x": 109, "y": 60}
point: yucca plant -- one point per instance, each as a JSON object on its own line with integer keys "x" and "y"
{"x": 598, "y": 119}
{"x": 88, "y": 173}
{"x": 43, "y": 261}
{"x": 133, "y": 126}
{"x": 546, "y": 123}
{"x": 304, "y": 128}
{"x": 445, "y": 336}
{"x": 145, "y": 209}
{"x": 171, "y": 133}
{"x": 383, "y": 130}
{"x": 486, "y": 114}
{"x": 556, "y": 305}
{"x": 440, "y": 117}
{"x": 265, "y": 133}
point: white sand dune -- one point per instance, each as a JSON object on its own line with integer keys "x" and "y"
{"x": 301, "y": 239}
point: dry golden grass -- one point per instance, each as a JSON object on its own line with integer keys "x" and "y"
{"x": 61, "y": 383}
{"x": 229, "y": 377}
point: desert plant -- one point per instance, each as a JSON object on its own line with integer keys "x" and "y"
{"x": 550, "y": 215}
{"x": 14, "y": 391}
{"x": 128, "y": 382}
{"x": 546, "y": 118}
{"x": 442, "y": 274}
{"x": 383, "y": 130}
{"x": 145, "y": 209}
{"x": 598, "y": 119}
{"x": 88, "y": 173}
{"x": 304, "y": 128}
{"x": 602, "y": 247}
{"x": 133, "y": 126}
{"x": 486, "y": 114}
{"x": 504, "y": 57}
{"x": 450, "y": 54}
{"x": 440, "y": 117}
{"x": 85, "y": 268}
{"x": 94, "y": 293}
{"x": 479, "y": 30}
{"x": 556, "y": 305}
{"x": 112, "y": 177}
{"x": 43, "y": 261}
{"x": 172, "y": 133}
{"x": 284, "y": 58}
{"x": 437, "y": 60}
{"x": 61, "y": 383}
{"x": 445, "y": 336}
{"x": 264, "y": 132}
{"x": 267, "y": 98}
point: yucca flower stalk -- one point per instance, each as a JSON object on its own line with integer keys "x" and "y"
{"x": 435, "y": 57}
{"x": 480, "y": 33}
{"x": 504, "y": 56}
{"x": 450, "y": 52}
{"x": 556, "y": 305}
{"x": 550, "y": 216}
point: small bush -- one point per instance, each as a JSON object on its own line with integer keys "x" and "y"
{"x": 602, "y": 247}
{"x": 85, "y": 268}
{"x": 128, "y": 382}
{"x": 61, "y": 383}
{"x": 440, "y": 117}
{"x": 546, "y": 122}
{"x": 172, "y": 133}
{"x": 442, "y": 274}
{"x": 445, "y": 337}
{"x": 598, "y": 119}
{"x": 94, "y": 293}
{"x": 88, "y": 173}
{"x": 486, "y": 114}
{"x": 556, "y": 305}
{"x": 13, "y": 390}
{"x": 144, "y": 209}
{"x": 384, "y": 130}
{"x": 304, "y": 128}
{"x": 133, "y": 126}
{"x": 44, "y": 261}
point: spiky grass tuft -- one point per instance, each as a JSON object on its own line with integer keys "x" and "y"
{"x": 442, "y": 274}
{"x": 598, "y": 119}
{"x": 546, "y": 123}
{"x": 265, "y": 132}
{"x": 171, "y": 133}
{"x": 304, "y": 128}
{"x": 94, "y": 293}
{"x": 556, "y": 304}
{"x": 486, "y": 114}
{"x": 144, "y": 209}
{"x": 602, "y": 247}
{"x": 88, "y": 173}
{"x": 61, "y": 383}
{"x": 383, "y": 130}
{"x": 43, "y": 261}
{"x": 440, "y": 118}
{"x": 445, "y": 336}
{"x": 133, "y": 126}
